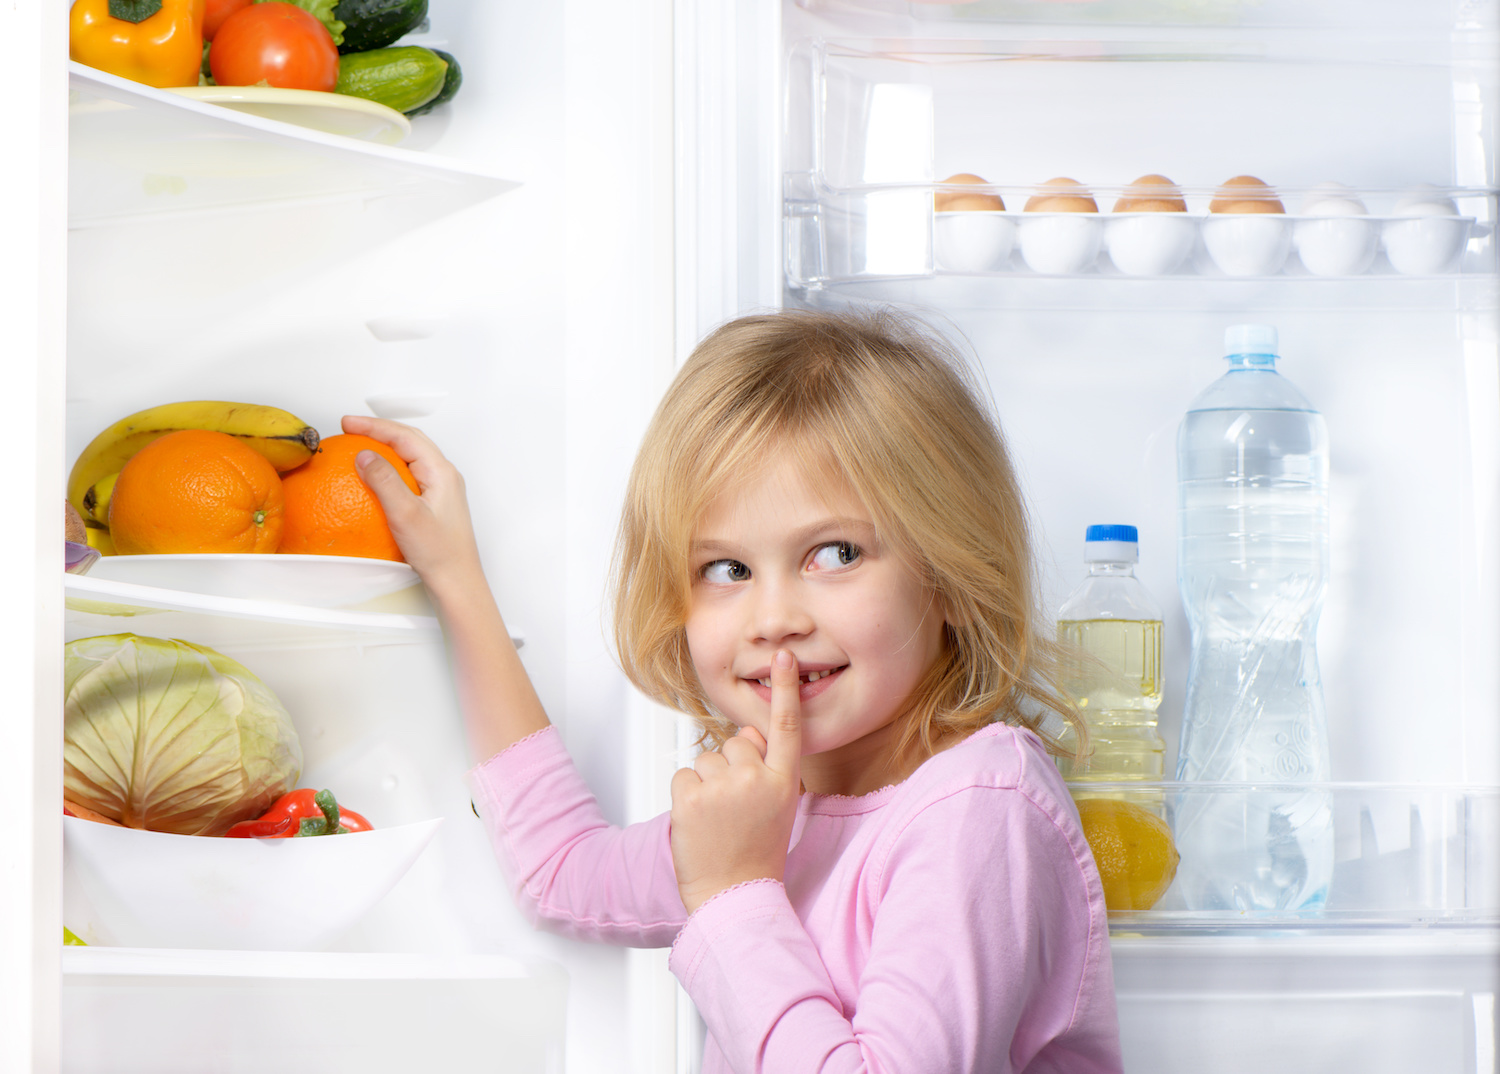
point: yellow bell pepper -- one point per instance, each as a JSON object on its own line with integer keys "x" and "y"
{"x": 158, "y": 42}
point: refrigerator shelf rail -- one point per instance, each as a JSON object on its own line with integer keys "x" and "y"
{"x": 1433, "y": 20}
{"x": 99, "y": 606}
{"x": 101, "y": 598}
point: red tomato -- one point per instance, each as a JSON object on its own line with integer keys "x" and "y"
{"x": 279, "y": 44}
{"x": 216, "y": 11}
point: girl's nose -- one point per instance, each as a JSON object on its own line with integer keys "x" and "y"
{"x": 778, "y": 613}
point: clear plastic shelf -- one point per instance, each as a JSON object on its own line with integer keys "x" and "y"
{"x": 881, "y": 124}
{"x": 1402, "y": 855}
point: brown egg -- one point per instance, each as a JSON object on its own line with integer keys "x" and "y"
{"x": 1061, "y": 196}
{"x": 949, "y": 201}
{"x": 1246, "y": 194}
{"x": 1151, "y": 194}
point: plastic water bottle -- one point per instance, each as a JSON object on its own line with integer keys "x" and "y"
{"x": 1112, "y": 628}
{"x": 1252, "y": 471}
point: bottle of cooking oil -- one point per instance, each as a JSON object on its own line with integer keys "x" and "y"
{"x": 1111, "y": 632}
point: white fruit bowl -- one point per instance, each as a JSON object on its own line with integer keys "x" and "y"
{"x": 151, "y": 889}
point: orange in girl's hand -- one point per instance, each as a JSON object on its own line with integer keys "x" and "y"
{"x": 196, "y": 491}
{"x": 330, "y": 511}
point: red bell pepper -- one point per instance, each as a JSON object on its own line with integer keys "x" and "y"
{"x": 301, "y": 812}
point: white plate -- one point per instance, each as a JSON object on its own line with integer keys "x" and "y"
{"x": 151, "y": 889}
{"x": 332, "y": 113}
{"x": 319, "y": 581}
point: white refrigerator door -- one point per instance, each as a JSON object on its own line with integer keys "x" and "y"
{"x": 504, "y": 280}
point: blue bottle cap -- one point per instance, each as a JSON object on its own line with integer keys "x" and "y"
{"x": 1250, "y": 339}
{"x": 1111, "y": 533}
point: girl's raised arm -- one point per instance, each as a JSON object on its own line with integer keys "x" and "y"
{"x": 436, "y": 536}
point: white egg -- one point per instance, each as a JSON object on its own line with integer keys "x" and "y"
{"x": 1425, "y": 200}
{"x": 976, "y": 240}
{"x": 1332, "y": 199}
{"x": 1427, "y": 233}
{"x": 1336, "y": 237}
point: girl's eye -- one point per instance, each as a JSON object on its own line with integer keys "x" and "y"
{"x": 836, "y": 554}
{"x": 725, "y": 571}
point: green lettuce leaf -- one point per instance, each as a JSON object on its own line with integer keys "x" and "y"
{"x": 322, "y": 10}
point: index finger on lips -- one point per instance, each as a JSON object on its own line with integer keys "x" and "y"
{"x": 784, "y": 738}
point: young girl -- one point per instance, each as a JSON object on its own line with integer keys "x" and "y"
{"x": 824, "y": 559}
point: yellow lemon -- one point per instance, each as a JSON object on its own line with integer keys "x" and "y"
{"x": 1133, "y": 849}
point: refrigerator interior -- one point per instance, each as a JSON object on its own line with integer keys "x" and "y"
{"x": 520, "y": 275}
{"x": 495, "y": 280}
{"x": 1091, "y": 365}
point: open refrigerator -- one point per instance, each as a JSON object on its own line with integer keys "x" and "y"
{"x": 827, "y": 128}
{"x": 519, "y": 277}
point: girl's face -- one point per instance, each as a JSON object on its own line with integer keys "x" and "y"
{"x": 779, "y": 563}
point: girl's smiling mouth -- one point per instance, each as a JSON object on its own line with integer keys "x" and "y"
{"x": 811, "y": 683}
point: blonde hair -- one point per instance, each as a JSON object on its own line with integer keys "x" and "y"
{"x": 882, "y": 402}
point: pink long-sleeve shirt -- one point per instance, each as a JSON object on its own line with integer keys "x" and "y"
{"x": 951, "y": 923}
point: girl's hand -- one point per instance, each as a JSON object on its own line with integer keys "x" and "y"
{"x": 432, "y": 530}
{"x": 732, "y": 812}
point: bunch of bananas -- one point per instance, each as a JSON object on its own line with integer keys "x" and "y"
{"x": 284, "y": 439}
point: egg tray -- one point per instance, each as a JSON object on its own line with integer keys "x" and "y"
{"x": 1211, "y": 244}
{"x": 895, "y": 231}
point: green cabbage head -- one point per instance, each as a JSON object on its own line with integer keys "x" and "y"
{"x": 172, "y": 737}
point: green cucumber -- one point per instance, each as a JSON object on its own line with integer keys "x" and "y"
{"x": 371, "y": 24}
{"x": 451, "y": 81}
{"x": 401, "y": 78}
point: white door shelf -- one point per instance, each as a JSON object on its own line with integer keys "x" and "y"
{"x": 169, "y": 1011}
{"x": 1378, "y": 1003}
{"x": 136, "y": 151}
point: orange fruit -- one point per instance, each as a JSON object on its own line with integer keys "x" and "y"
{"x": 196, "y": 491}
{"x": 330, "y": 511}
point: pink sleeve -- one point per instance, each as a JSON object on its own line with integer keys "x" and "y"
{"x": 988, "y": 953}
{"x": 569, "y": 869}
